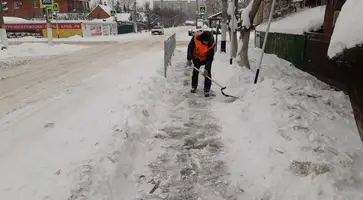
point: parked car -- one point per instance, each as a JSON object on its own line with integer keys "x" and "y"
{"x": 2, "y": 46}
{"x": 157, "y": 30}
{"x": 191, "y": 32}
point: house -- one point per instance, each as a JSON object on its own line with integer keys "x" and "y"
{"x": 31, "y": 9}
{"x": 100, "y": 12}
{"x": 186, "y": 6}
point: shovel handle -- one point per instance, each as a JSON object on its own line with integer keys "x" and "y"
{"x": 208, "y": 77}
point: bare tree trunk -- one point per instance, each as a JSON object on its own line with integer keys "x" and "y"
{"x": 245, "y": 34}
{"x": 234, "y": 42}
{"x": 245, "y": 38}
{"x": 224, "y": 25}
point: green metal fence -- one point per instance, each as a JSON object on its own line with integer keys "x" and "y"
{"x": 124, "y": 28}
{"x": 287, "y": 46}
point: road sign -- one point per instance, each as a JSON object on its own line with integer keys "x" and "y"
{"x": 113, "y": 13}
{"x": 46, "y": 3}
{"x": 49, "y": 13}
{"x": 56, "y": 7}
{"x": 202, "y": 9}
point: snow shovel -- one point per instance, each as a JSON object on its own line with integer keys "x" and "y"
{"x": 222, "y": 87}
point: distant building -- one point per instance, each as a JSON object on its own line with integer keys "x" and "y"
{"x": 188, "y": 7}
{"x": 100, "y": 12}
{"x": 31, "y": 9}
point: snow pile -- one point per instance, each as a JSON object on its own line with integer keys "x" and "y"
{"x": 288, "y": 137}
{"x": 348, "y": 31}
{"x": 311, "y": 19}
{"x": 75, "y": 38}
{"x": 9, "y": 20}
{"x": 37, "y": 49}
{"x": 245, "y": 16}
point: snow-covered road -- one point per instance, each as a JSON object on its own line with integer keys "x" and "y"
{"x": 59, "y": 111}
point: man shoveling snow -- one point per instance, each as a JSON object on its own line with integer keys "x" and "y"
{"x": 201, "y": 52}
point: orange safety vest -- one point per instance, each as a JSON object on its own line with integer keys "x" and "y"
{"x": 201, "y": 50}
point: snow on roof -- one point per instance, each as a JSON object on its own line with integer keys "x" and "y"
{"x": 107, "y": 9}
{"x": 124, "y": 17}
{"x": 310, "y": 19}
{"x": 10, "y": 20}
{"x": 348, "y": 31}
{"x": 214, "y": 15}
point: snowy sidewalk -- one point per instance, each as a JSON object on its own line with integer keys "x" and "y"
{"x": 288, "y": 137}
{"x": 188, "y": 166}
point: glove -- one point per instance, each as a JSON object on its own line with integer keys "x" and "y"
{"x": 189, "y": 63}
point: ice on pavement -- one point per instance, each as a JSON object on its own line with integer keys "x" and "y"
{"x": 117, "y": 129}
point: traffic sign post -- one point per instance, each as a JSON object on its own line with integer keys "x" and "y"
{"x": 56, "y": 8}
{"x": 46, "y": 3}
{"x": 202, "y": 9}
{"x": 49, "y": 16}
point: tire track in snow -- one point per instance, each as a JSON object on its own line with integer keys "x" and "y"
{"x": 189, "y": 169}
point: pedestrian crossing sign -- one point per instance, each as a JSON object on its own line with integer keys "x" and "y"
{"x": 56, "y": 7}
{"x": 46, "y": 3}
{"x": 202, "y": 9}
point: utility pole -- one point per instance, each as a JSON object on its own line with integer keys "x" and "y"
{"x": 162, "y": 13}
{"x": 3, "y": 9}
{"x": 49, "y": 16}
{"x": 234, "y": 42}
{"x": 224, "y": 25}
{"x": 196, "y": 14}
{"x": 134, "y": 18}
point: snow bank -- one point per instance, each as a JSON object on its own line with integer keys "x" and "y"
{"x": 37, "y": 49}
{"x": 348, "y": 31}
{"x": 9, "y": 20}
{"x": 288, "y": 137}
{"x": 298, "y": 23}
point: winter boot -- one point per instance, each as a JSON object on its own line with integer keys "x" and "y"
{"x": 206, "y": 93}
{"x": 193, "y": 90}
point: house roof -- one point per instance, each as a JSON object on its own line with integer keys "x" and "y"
{"x": 107, "y": 9}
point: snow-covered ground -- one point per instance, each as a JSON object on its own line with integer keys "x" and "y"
{"x": 348, "y": 30}
{"x": 26, "y": 50}
{"x": 103, "y": 123}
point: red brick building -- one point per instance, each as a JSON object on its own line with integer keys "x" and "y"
{"x": 31, "y": 8}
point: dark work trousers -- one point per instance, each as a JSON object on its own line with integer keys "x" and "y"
{"x": 207, "y": 66}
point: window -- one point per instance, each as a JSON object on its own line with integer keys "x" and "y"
{"x": 35, "y": 4}
{"x": 16, "y": 5}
